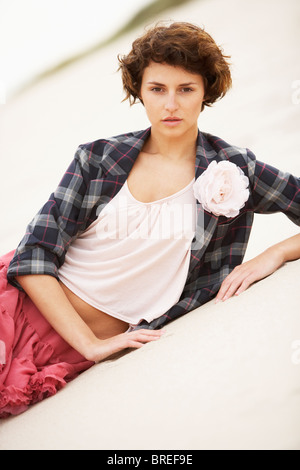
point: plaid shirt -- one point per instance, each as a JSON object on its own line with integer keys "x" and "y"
{"x": 95, "y": 176}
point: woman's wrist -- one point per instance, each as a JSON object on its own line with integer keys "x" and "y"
{"x": 287, "y": 250}
{"x": 278, "y": 254}
{"x": 91, "y": 349}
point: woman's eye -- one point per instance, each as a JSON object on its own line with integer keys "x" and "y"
{"x": 181, "y": 90}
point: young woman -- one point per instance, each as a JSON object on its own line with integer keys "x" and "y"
{"x": 143, "y": 227}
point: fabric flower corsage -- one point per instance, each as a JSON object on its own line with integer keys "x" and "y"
{"x": 222, "y": 189}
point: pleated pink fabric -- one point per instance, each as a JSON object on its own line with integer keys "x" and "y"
{"x": 35, "y": 362}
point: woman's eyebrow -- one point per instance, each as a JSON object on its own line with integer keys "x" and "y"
{"x": 162, "y": 84}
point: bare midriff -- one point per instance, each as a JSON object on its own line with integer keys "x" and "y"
{"x": 103, "y": 325}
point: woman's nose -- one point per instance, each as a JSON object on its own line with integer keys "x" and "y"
{"x": 171, "y": 103}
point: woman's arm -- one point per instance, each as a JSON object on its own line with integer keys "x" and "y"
{"x": 259, "y": 267}
{"x": 49, "y": 234}
{"x": 48, "y": 296}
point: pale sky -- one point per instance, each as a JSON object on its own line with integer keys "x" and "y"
{"x": 36, "y": 34}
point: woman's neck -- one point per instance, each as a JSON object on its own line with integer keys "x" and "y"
{"x": 180, "y": 148}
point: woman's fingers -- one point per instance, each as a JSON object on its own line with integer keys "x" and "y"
{"x": 253, "y": 270}
{"x": 246, "y": 283}
{"x": 235, "y": 283}
{"x": 134, "y": 339}
{"x": 227, "y": 287}
{"x": 139, "y": 337}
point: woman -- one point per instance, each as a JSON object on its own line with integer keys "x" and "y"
{"x": 143, "y": 227}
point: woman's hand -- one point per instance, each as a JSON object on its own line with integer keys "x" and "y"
{"x": 102, "y": 349}
{"x": 251, "y": 271}
{"x": 259, "y": 267}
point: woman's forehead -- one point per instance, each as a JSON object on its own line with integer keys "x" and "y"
{"x": 161, "y": 72}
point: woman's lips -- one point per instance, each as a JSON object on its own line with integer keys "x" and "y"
{"x": 172, "y": 121}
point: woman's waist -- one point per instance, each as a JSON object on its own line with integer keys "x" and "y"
{"x": 102, "y": 324}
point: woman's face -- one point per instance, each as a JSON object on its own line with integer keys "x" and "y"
{"x": 173, "y": 98}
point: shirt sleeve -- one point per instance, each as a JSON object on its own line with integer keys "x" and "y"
{"x": 273, "y": 190}
{"x": 42, "y": 249}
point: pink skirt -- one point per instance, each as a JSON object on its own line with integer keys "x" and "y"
{"x": 35, "y": 362}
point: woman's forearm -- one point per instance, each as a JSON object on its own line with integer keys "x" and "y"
{"x": 289, "y": 248}
{"x": 48, "y": 296}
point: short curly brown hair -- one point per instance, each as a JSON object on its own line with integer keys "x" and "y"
{"x": 179, "y": 44}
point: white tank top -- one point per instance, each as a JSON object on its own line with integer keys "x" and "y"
{"x": 132, "y": 261}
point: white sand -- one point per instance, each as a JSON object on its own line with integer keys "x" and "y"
{"x": 223, "y": 376}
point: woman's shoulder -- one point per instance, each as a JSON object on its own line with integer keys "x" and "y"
{"x": 103, "y": 146}
{"x": 219, "y": 144}
{"x": 219, "y": 148}
{"x": 112, "y": 154}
